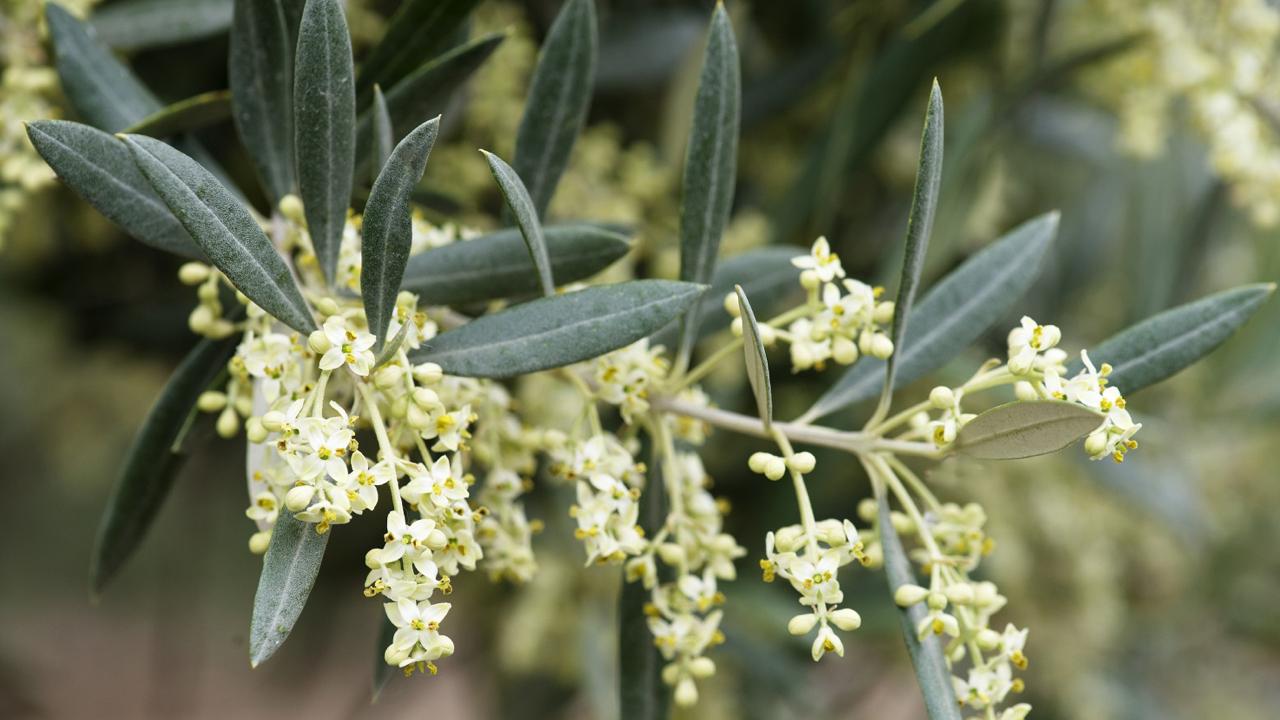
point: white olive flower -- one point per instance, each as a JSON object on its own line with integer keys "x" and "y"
{"x": 820, "y": 261}
{"x": 347, "y": 346}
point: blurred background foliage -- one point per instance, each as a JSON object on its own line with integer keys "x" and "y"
{"x": 1150, "y": 587}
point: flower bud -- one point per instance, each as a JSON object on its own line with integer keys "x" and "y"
{"x": 901, "y": 523}
{"x": 211, "y": 401}
{"x": 671, "y": 673}
{"x": 426, "y": 398}
{"x": 394, "y": 654}
{"x": 757, "y": 461}
{"x": 328, "y": 306}
{"x": 1025, "y": 391}
{"x": 942, "y": 397}
{"x": 399, "y": 406}
{"x": 768, "y": 335}
{"x": 1096, "y": 443}
{"x": 273, "y": 421}
{"x": 244, "y": 405}
{"x": 702, "y": 667}
{"x": 802, "y": 624}
{"x": 810, "y": 280}
{"x": 373, "y": 558}
{"x": 844, "y": 351}
{"x": 200, "y": 320}
{"x": 388, "y": 377}
{"x": 228, "y": 423}
{"x": 291, "y": 208}
{"x": 789, "y": 538}
{"x": 881, "y": 346}
{"x": 436, "y": 540}
{"x": 671, "y": 554}
{"x": 802, "y": 462}
{"x": 427, "y": 373}
{"x": 319, "y": 342}
{"x": 254, "y": 430}
{"x": 220, "y": 329}
{"x": 988, "y": 639}
{"x": 193, "y": 273}
{"x": 259, "y": 541}
{"x": 960, "y": 593}
{"x": 847, "y": 619}
{"x": 1049, "y": 336}
{"x": 299, "y": 497}
{"x": 735, "y": 327}
{"x": 936, "y": 601}
{"x": 883, "y": 314}
{"x": 908, "y": 595}
{"x": 207, "y": 293}
{"x": 830, "y": 532}
{"x": 686, "y": 693}
{"x": 731, "y": 305}
{"x": 417, "y": 418}
{"x": 867, "y": 509}
{"x": 775, "y": 468}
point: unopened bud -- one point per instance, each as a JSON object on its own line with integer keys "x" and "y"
{"x": 960, "y": 593}
{"x": 388, "y": 377}
{"x": 1096, "y": 443}
{"x": 427, "y": 373}
{"x": 273, "y": 421}
{"x": 844, "y": 351}
{"x": 775, "y": 468}
{"x": 228, "y": 423}
{"x": 735, "y": 327}
{"x": 810, "y": 280}
{"x": 802, "y": 624}
{"x": 319, "y": 342}
{"x": 426, "y": 398}
{"x": 328, "y": 306}
{"x": 802, "y": 462}
{"x": 908, "y": 595}
{"x": 200, "y": 320}
{"x": 193, "y": 273}
{"x": 847, "y": 619}
{"x": 254, "y": 430}
{"x": 1025, "y": 391}
{"x": 299, "y": 497}
{"x": 686, "y": 693}
{"x": 883, "y": 314}
{"x": 291, "y": 207}
{"x": 417, "y": 418}
{"x": 941, "y": 397}
{"x": 881, "y": 346}
{"x": 211, "y": 401}
{"x": 259, "y": 542}
{"x": 671, "y": 554}
{"x": 702, "y": 668}
{"x": 731, "y": 305}
{"x": 867, "y": 509}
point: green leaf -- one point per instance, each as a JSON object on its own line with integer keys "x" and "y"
{"x": 927, "y": 655}
{"x": 153, "y": 460}
{"x": 388, "y": 227}
{"x": 223, "y": 228}
{"x": 710, "y": 165}
{"x": 384, "y": 139}
{"x": 496, "y": 266}
{"x": 390, "y": 349}
{"x": 952, "y": 315}
{"x": 382, "y": 670}
{"x": 765, "y": 274}
{"x": 924, "y": 204}
{"x": 559, "y": 330}
{"x": 518, "y": 200}
{"x": 101, "y": 89}
{"x": 195, "y": 112}
{"x": 642, "y": 694}
{"x": 324, "y": 112}
{"x": 260, "y": 68}
{"x": 419, "y": 30}
{"x": 99, "y": 169}
{"x": 1026, "y": 429}
{"x": 138, "y": 24}
{"x": 1162, "y": 345}
{"x": 559, "y": 97}
{"x": 756, "y": 360}
{"x": 288, "y": 573}
{"x": 425, "y": 92}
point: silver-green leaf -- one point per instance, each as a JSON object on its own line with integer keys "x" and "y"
{"x": 756, "y": 360}
{"x": 193, "y": 113}
{"x": 138, "y": 24}
{"x": 388, "y": 227}
{"x": 526, "y": 215}
{"x": 952, "y": 315}
{"x": 153, "y": 460}
{"x": 384, "y": 137}
{"x": 1164, "y": 344}
{"x": 924, "y": 204}
{"x": 100, "y": 169}
{"x": 288, "y": 572}
{"x": 223, "y": 229}
{"x": 496, "y": 266}
{"x": 559, "y": 330}
{"x": 419, "y": 30}
{"x": 1025, "y": 429}
{"x": 260, "y": 68}
{"x": 559, "y": 97}
{"x": 710, "y": 166}
{"x": 102, "y": 90}
{"x": 926, "y": 656}
{"x": 324, "y": 113}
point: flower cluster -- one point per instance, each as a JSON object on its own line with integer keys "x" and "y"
{"x": 841, "y": 320}
{"x": 809, "y": 556}
{"x": 303, "y": 401}
{"x": 608, "y": 482}
{"x": 960, "y": 609}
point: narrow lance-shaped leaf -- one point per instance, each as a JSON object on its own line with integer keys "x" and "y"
{"x": 419, "y": 30}
{"x": 642, "y": 694}
{"x": 198, "y": 111}
{"x": 288, "y": 572}
{"x": 260, "y": 68}
{"x": 324, "y": 112}
{"x": 388, "y": 227}
{"x": 153, "y": 460}
{"x": 382, "y": 670}
{"x": 100, "y": 169}
{"x": 756, "y": 360}
{"x": 1026, "y": 429}
{"x": 521, "y": 205}
{"x": 559, "y": 97}
{"x": 559, "y": 330}
{"x": 952, "y": 315}
{"x": 1164, "y": 344}
{"x": 224, "y": 229}
{"x": 425, "y": 92}
{"x": 924, "y": 203}
{"x": 927, "y": 655}
{"x": 710, "y": 165}
{"x": 496, "y": 266}
{"x": 100, "y": 88}
{"x": 137, "y": 24}
{"x": 384, "y": 139}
